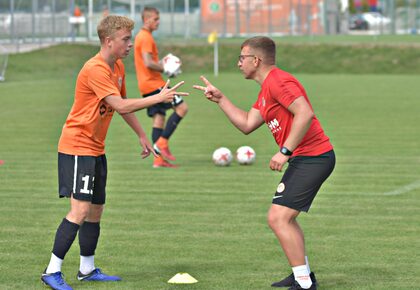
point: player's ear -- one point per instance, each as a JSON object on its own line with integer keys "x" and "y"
{"x": 107, "y": 40}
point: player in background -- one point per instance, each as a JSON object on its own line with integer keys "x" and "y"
{"x": 150, "y": 82}
{"x": 284, "y": 106}
{"x": 82, "y": 167}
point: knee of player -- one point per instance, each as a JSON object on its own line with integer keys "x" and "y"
{"x": 95, "y": 213}
{"x": 78, "y": 214}
{"x": 277, "y": 221}
{"x": 182, "y": 109}
{"x": 272, "y": 220}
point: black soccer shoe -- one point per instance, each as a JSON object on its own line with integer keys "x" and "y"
{"x": 288, "y": 281}
{"x": 296, "y": 286}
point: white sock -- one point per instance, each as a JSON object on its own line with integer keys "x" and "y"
{"x": 87, "y": 264}
{"x": 54, "y": 265}
{"x": 307, "y": 264}
{"x": 302, "y": 276}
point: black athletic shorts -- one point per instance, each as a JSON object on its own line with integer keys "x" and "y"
{"x": 82, "y": 176}
{"x": 161, "y": 108}
{"x": 302, "y": 180}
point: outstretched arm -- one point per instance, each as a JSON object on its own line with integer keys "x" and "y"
{"x": 246, "y": 122}
{"x": 125, "y": 106}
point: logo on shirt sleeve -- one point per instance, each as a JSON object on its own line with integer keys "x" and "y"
{"x": 103, "y": 109}
{"x": 120, "y": 82}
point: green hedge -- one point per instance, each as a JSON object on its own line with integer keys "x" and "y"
{"x": 67, "y": 59}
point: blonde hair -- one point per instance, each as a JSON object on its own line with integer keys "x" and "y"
{"x": 113, "y": 23}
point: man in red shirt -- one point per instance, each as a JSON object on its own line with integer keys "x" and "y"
{"x": 82, "y": 166}
{"x": 284, "y": 106}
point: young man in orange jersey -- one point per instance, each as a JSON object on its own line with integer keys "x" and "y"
{"x": 82, "y": 167}
{"x": 150, "y": 82}
{"x": 284, "y": 106}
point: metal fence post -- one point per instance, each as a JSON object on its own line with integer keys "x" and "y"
{"x": 90, "y": 20}
{"x": 270, "y": 23}
{"x": 34, "y": 5}
{"x": 53, "y": 8}
{"x": 187, "y": 18}
{"x": 12, "y": 21}
{"x": 224, "y": 18}
{"x": 172, "y": 10}
{"x": 416, "y": 15}
{"x": 72, "y": 28}
{"x": 237, "y": 19}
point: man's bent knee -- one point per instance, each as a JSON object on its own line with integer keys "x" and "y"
{"x": 279, "y": 216}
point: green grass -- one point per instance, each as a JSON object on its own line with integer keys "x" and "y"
{"x": 210, "y": 221}
{"x": 331, "y": 55}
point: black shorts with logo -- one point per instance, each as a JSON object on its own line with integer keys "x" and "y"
{"x": 161, "y": 108}
{"x": 82, "y": 176}
{"x": 302, "y": 180}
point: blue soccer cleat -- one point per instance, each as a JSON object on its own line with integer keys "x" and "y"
{"x": 97, "y": 275}
{"x": 55, "y": 281}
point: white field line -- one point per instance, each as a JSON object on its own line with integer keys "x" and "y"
{"x": 401, "y": 190}
{"x": 404, "y": 189}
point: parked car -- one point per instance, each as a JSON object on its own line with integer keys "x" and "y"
{"x": 376, "y": 19}
{"x": 358, "y": 22}
{"x": 368, "y": 20}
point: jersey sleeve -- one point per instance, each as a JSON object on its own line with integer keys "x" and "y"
{"x": 122, "y": 69}
{"x": 286, "y": 92}
{"x": 123, "y": 89}
{"x": 146, "y": 44}
{"x": 101, "y": 83}
{"x": 256, "y": 105}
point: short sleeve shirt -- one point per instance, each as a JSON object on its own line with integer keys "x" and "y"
{"x": 278, "y": 92}
{"x": 87, "y": 124}
{"x": 148, "y": 80}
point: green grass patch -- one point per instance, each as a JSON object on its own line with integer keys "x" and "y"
{"x": 210, "y": 221}
{"x": 297, "y": 55}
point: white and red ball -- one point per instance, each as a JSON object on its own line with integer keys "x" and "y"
{"x": 171, "y": 65}
{"x": 222, "y": 156}
{"x": 245, "y": 155}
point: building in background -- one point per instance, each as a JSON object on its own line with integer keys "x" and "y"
{"x": 244, "y": 17}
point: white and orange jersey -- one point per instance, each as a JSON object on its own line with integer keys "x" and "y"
{"x": 88, "y": 121}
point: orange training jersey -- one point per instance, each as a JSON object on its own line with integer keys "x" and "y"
{"x": 148, "y": 80}
{"x": 87, "y": 123}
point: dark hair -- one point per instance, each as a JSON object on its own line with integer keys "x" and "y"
{"x": 263, "y": 45}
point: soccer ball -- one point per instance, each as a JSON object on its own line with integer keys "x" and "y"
{"x": 171, "y": 65}
{"x": 222, "y": 156}
{"x": 245, "y": 155}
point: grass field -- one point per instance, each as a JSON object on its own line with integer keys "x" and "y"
{"x": 362, "y": 231}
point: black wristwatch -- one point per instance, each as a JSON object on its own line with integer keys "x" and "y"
{"x": 285, "y": 151}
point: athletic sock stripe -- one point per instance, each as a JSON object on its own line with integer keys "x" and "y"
{"x": 75, "y": 174}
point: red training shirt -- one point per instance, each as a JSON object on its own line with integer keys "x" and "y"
{"x": 278, "y": 92}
